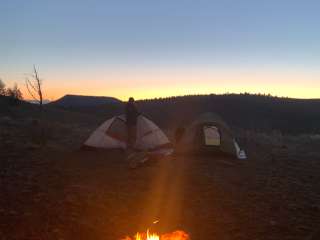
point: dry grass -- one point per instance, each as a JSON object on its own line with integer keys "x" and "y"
{"x": 58, "y": 193}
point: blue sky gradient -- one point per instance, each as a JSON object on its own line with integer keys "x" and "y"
{"x": 112, "y": 44}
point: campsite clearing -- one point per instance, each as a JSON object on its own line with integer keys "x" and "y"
{"x": 55, "y": 193}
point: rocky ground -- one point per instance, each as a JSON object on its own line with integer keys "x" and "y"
{"x": 58, "y": 192}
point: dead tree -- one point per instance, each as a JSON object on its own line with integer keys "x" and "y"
{"x": 34, "y": 87}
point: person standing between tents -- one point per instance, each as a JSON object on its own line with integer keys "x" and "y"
{"x": 132, "y": 114}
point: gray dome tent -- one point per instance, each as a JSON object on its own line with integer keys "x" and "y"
{"x": 112, "y": 134}
{"x": 209, "y": 133}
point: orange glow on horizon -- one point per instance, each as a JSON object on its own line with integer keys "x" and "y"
{"x": 155, "y": 83}
{"x": 139, "y": 94}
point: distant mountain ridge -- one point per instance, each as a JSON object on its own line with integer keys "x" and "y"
{"x": 44, "y": 101}
{"x": 247, "y": 111}
{"x": 75, "y": 101}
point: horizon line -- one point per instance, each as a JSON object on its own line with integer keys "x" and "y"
{"x": 182, "y": 95}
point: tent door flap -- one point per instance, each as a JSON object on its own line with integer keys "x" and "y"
{"x": 211, "y": 136}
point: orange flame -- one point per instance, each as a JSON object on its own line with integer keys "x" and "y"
{"x": 176, "y": 235}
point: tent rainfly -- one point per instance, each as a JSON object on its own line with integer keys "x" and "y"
{"x": 112, "y": 134}
{"x": 209, "y": 133}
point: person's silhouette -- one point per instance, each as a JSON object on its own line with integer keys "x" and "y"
{"x": 132, "y": 114}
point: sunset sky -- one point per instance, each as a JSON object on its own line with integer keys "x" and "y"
{"x": 149, "y": 48}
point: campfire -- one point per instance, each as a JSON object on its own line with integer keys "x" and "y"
{"x": 176, "y": 235}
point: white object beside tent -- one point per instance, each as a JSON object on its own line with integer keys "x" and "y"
{"x": 241, "y": 154}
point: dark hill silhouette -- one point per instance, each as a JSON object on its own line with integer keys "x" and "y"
{"x": 26, "y": 111}
{"x": 98, "y": 107}
{"x": 247, "y": 111}
{"x": 74, "y": 101}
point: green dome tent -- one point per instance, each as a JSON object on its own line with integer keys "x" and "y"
{"x": 210, "y": 134}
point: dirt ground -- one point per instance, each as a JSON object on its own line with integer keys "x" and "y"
{"x": 56, "y": 193}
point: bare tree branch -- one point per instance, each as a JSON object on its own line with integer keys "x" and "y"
{"x": 29, "y": 91}
{"x": 34, "y": 87}
{"x": 30, "y": 84}
{"x": 39, "y": 83}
